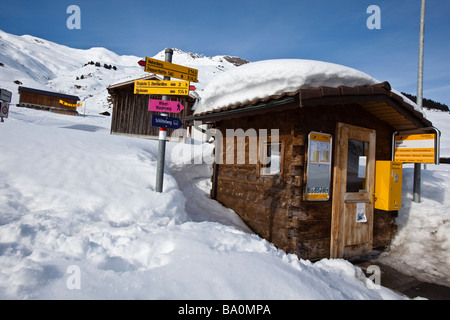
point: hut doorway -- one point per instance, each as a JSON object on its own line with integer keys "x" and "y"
{"x": 353, "y": 187}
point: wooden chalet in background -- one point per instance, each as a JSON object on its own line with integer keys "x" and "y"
{"x": 48, "y": 101}
{"x": 273, "y": 201}
{"x": 130, "y": 115}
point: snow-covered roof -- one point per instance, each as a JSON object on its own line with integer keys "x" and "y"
{"x": 255, "y": 85}
{"x": 48, "y": 93}
{"x": 263, "y": 79}
{"x": 258, "y": 80}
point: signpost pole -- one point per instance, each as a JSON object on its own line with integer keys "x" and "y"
{"x": 417, "y": 166}
{"x": 162, "y": 138}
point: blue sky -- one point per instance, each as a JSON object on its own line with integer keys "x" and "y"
{"x": 327, "y": 30}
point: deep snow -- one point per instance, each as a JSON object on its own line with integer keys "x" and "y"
{"x": 73, "y": 195}
{"x": 261, "y": 79}
{"x": 422, "y": 245}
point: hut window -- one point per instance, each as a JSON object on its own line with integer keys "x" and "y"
{"x": 356, "y": 166}
{"x": 270, "y": 161}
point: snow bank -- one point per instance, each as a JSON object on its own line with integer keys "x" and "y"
{"x": 79, "y": 219}
{"x": 186, "y": 163}
{"x": 422, "y": 245}
{"x": 272, "y": 77}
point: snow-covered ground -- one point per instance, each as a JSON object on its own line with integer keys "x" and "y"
{"x": 74, "y": 196}
{"x": 422, "y": 245}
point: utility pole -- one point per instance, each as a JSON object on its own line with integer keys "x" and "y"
{"x": 162, "y": 138}
{"x": 417, "y": 166}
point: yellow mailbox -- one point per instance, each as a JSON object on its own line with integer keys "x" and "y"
{"x": 388, "y": 185}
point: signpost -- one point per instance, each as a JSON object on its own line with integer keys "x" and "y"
{"x": 169, "y": 69}
{"x": 162, "y": 138}
{"x": 4, "y": 110}
{"x": 5, "y": 99}
{"x": 179, "y": 88}
{"x": 5, "y": 95}
{"x": 415, "y": 148}
{"x": 165, "y": 106}
{"x": 417, "y": 167}
{"x": 165, "y": 88}
{"x": 166, "y": 122}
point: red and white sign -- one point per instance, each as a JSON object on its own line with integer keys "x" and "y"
{"x": 4, "y": 110}
{"x": 165, "y": 106}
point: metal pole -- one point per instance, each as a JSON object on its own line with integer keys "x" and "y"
{"x": 417, "y": 166}
{"x": 162, "y": 138}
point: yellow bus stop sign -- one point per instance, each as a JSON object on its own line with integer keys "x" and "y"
{"x": 415, "y": 148}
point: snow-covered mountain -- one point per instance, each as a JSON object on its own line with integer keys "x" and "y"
{"x": 41, "y": 64}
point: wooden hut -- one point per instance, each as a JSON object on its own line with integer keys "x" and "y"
{"x": 130, "y": 114}
{"x": 278, "y": 201}
{"x": 48, "y": 101}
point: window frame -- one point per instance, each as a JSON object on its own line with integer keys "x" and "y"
{"x": 262, "y": 153}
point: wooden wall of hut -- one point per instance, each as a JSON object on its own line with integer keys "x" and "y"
{"x": 45, "y": 102}
{"x": 274, "y": 207}
{"x": 130, "y": 115}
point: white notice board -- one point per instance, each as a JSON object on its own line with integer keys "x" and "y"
{"x": 318, "y": 173}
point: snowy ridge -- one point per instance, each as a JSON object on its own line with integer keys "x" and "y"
{"x": 42, "y": 64}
